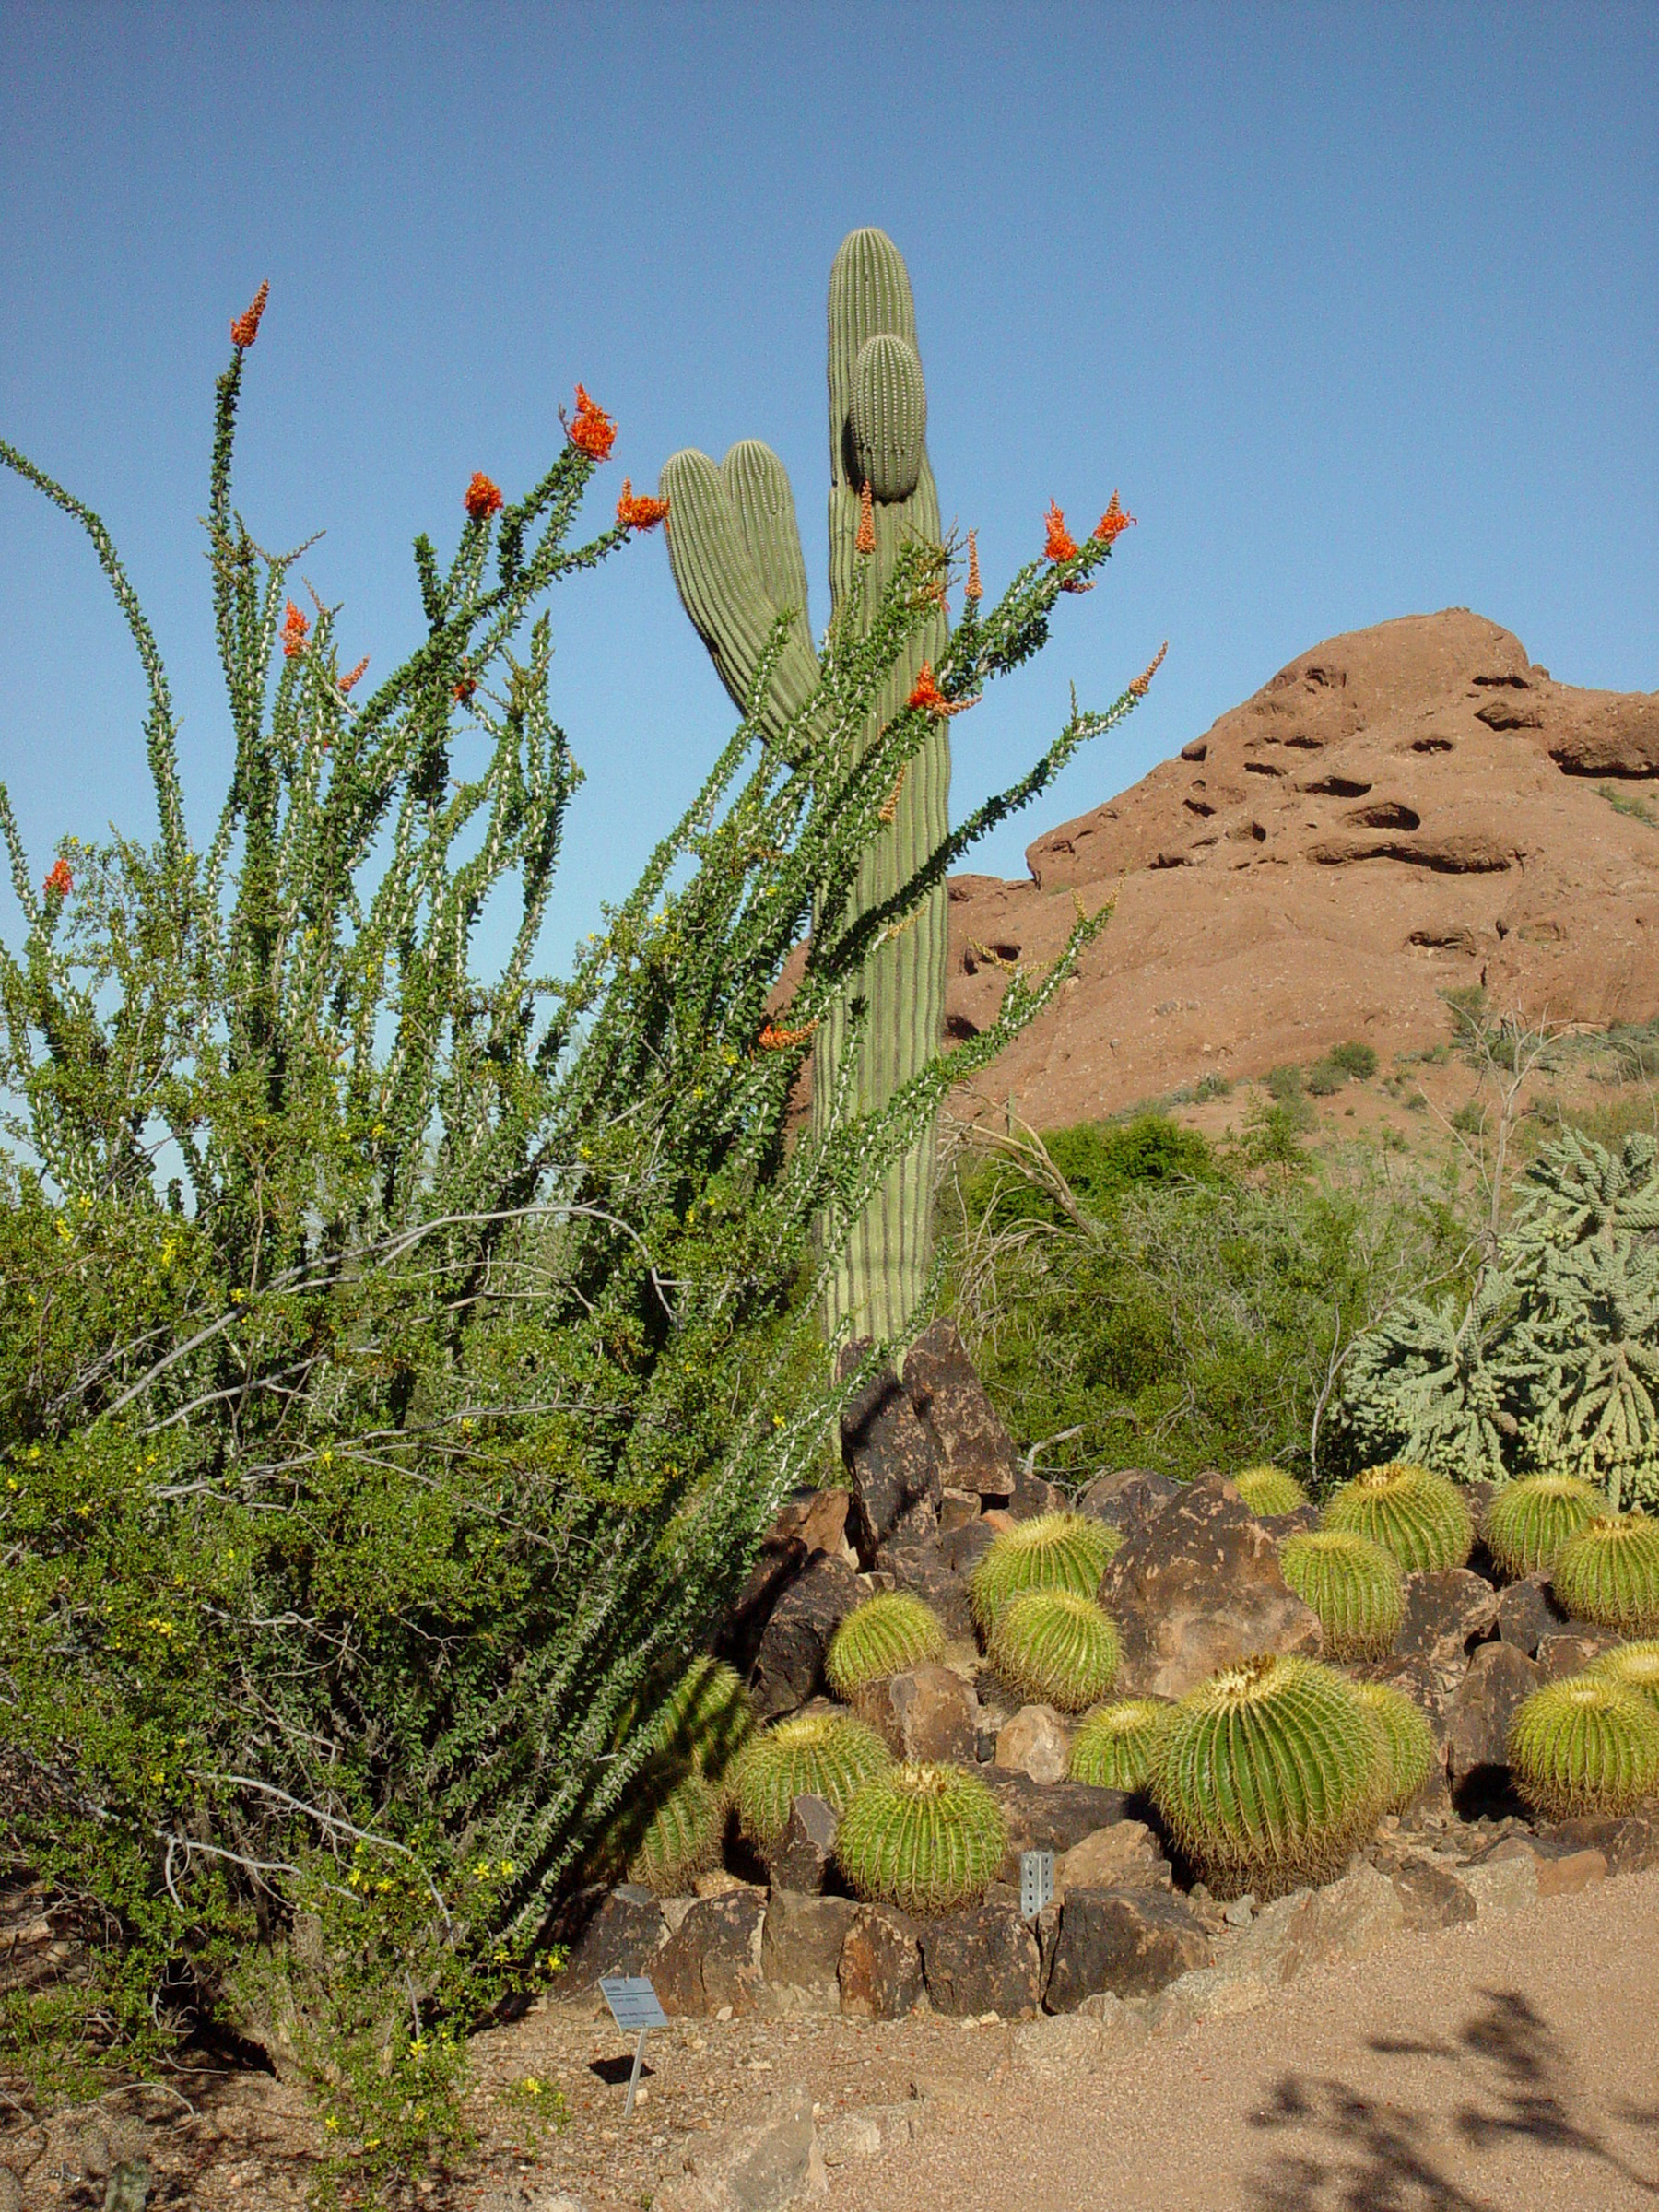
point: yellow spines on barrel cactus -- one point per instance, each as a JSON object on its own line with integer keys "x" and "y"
{"x": 823, "y": 1755}
{"x": 889, "y": 1631}
{"x": 1268, "y": 1774}
{"x": 926, "y": 1838}
{"x": 682, "y": 1837}
{"x": 1112, "y": 1750}
{"x": 1608, "y": 1573}
{"x": 1051, "y": 1551}
{"x": 1353, "y": 1585}
{"x": 1055, "y": 1648}
{"x": 1635, "y": 1665}
{"x": 1527, "y": 1522}
{"x": 1408, "y": 1749}
{"x": 1269, "y": 1491}
{"x": 1582, "y": 1746}
{"x": 1418, "y": 1516}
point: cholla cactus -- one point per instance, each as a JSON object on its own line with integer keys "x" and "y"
{"x": 1587, "y": 1354}
{"x": 1577, "y": 1190}
{"x": 1425, "y": 1385}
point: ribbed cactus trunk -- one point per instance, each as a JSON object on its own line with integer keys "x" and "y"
{"x": 736, "y": 559}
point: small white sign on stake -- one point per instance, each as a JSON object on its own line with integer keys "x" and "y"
{"x": 633, "y": 2004}
{"x": 1036, "y": 1882}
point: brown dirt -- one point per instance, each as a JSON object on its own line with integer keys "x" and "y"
{"x": 1401, "y": 811}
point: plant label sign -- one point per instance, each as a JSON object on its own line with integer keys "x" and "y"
{"x": 1036, "y": 1882}
{"x": 634, "y": 2005}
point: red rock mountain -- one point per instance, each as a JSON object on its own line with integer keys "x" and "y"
{"x": 1401, "y": 810}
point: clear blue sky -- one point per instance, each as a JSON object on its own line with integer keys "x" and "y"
{"x": 1357, "y": 304}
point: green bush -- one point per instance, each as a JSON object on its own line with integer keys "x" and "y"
{"x": 399, "y": 1366}
{"x": 1357, "y": 1060}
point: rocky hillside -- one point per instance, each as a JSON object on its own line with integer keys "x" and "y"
{"x": 1401, "y": 811}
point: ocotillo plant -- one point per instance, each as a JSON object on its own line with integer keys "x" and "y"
{"x": 737, "y": 557}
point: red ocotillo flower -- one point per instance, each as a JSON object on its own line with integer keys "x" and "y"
{"x": 462, "y": 690}
{"x": 482, "y": 498}
{"x": 1115, "y": 521}
{"x": 296, "y": 631}
{"x": 1142, "y": 682}
{"x": 973, "y": 589}
{"x": 773, "y": 1040}
{"x": 59, "y": 882}
{"x": 353, "y": 674}
{"x": 592, "y": 431}
{"x": 866, "y": 540}
{"x": 245, "y": 328}
{"x": 642, "y": 514}
{"x": 928, "y": 697}
{"x": 1059, "y": 545}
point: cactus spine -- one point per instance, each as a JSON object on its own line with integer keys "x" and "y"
{"x": 1410, "y": 1755}
{"x": 1609, "y": 1573}
{"x": 1053, "y": 1551}
{"x": 1417, "y": 1516}
{"x": 1635, "y": 1665}
{"x": 1354, "y": 1586}
{"x": 1112, "y": 1750}
{"x": 1269, "y": 1491}
{"x": 687, "y": 1826}
{"x": 1584, "y": 1746}
{"x": 736, "y": 559}
{"x": 886, "y": 1633}
{"x": 1055, "y": 1648}
{"x": 1528, "y": 1521}
{"x": 924, "y": 1837}
{"x": 823, "y": 1755}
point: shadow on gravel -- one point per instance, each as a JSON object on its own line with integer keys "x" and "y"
{"x": 1355, "y": 2152}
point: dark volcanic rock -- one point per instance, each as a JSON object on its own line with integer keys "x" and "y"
{"x": 974, "y": 1451}
{"x": 801, "y": 1948}
{"x": 926, "y": 1713}
{"x": 890, "y": 1458}
{"x": 1446, "y": 1613}
{"x": 609, "y": 1932}
{"x": 804, "y": 1861}
{"x": 1573, "y": 1649}
{"x": 1197, "y": 1587}
{"x": 1431, "y": 1894}
{"x": 962, "y": 1548}
{"x": 1480, "y": 1711}
{"x": 880, "y": 1964}
{"x": 1048, "y": 1816}
{"x": 713, "y": 1956}
{"x": 1527, "y": 1613}
{"x": 790, "y": 1662}
{"x": 1129, "y": 1497}
{"x": 1132, "y": 1942}
{"x": 923, "y": 1569}
{"x": 1629, "y": 1846}
{"x": 983, "y": 1960}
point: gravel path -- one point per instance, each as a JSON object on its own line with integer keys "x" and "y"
{"x": 1509, "y": 2068}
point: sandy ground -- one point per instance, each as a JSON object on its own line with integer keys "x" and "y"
{"x": 1509, "y": 2068}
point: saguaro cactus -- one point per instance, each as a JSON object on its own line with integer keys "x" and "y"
{"x": 735, "y": 553}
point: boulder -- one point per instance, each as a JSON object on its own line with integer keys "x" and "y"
{"x": 804, "y": 1861}
{"x": 1627, "y": 1846}
{"x": 713, "y": 1956}
{"x": 1446, "y": 1613}
{"x": 957, "y": 1509}
{"x": 1480, "y": 1710}
{"x": 962, "y": 1548}
{"x": 1131, "y": 1942}
{"x": 1573, "y": 1650}
{"x": 1126, "y": 1499}
{"x": 926, "y": 1713}
{"x": 801, "y": 1946}
{"x": 765, "y": 2164}
{"x": 1124, "y": 1856}
{"x": 1301, "y": 1521}
{"x": 870, "y": 2132}
{"x": 1197, "y": 1587}
{"x": 984, "y": 1958}
{"x": 609, "y": 1932}
{"x": 789, "y": 1663}
{"x": 880, "y": 1971}
{"x": 890, "y": 1458}
{"x": 974, "y": 1451}
{"x": 1432, "y": 1893}
{"x": 1033, "y": 1494}
{"x": 1048, "y": 1816}
{"x": 1345, "y": 1919}
{"x": 1503, "y": 1878}
{"x": 1069, "y": 2043}
{"x": 1036, "y": 1742}
{"x": 1527, "y": 1613}
{"x": 923, "y": 1568}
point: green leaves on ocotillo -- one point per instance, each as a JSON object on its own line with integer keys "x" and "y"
{"x": 1408, "y": 1748}
{"x": 886, "y": 1633}
{"x": 924, "y": 1837}
{"x": 1055, "y": 1648}
{"x": 813, "y": 1755}
{"x": 1051, "y": 1551}
{"x": 1268, "y": 1774}
{"x": 888, "y": 417}
{"x": 1586, "y": 1746}
{"x": 1609, "y": 1573}
{"x": 1528, "y": 1521}
{"x": 1417, "y": 1516}
{"x": 1112, "y": 1750}
{"x": 1354, "y": 1586}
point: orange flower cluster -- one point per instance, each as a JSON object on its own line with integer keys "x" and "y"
{"x": 642, "y": 514}
{"x": 593, "y": 432}
{"x": 1142, "y": 682}
{"x": 973, "y": 589}
{"x": 59, "y": 883}
{"x": 928, "y": 697}
{"x": 773, "y": 1040}
{"x": 245, "y": 328}
{"x": 462, "y": 690}
{"x": 482, "y": 498}
{"x": 1115, "y": 521}
{"x": 1059, "y": 545}
{"x": 866, "y": 540}
{"x": 296, "y": 631}
{"x": 352, "y": 674}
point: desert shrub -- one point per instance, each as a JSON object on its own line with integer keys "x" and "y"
{"x": 399, "y": 1366}
{"x": 1357, "y": 1060}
